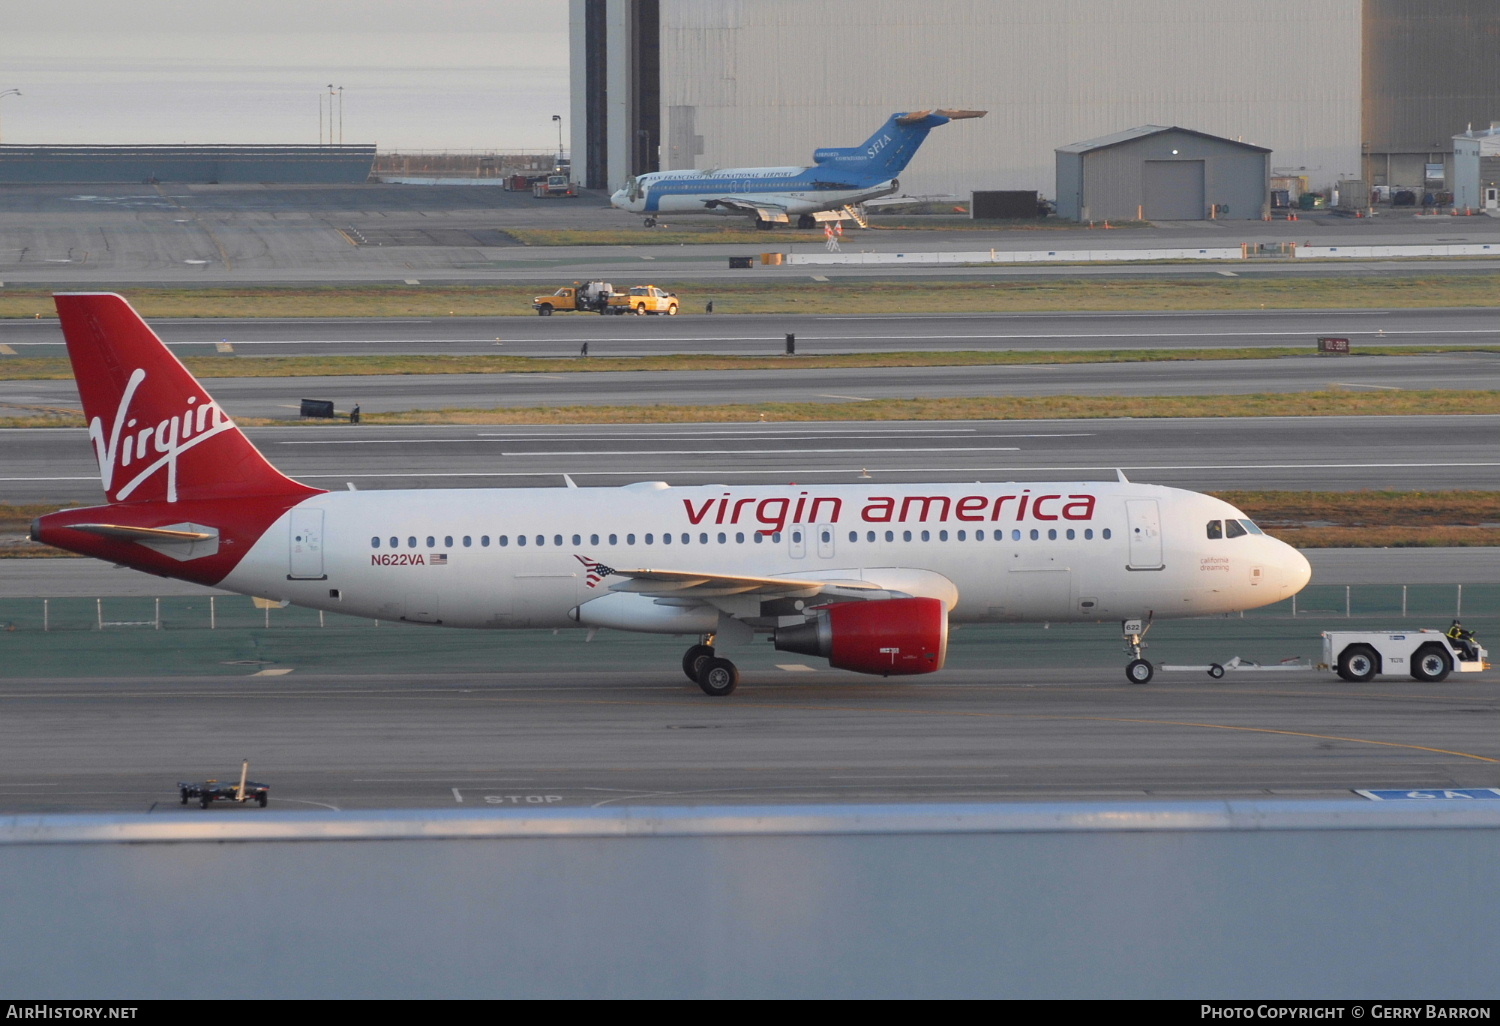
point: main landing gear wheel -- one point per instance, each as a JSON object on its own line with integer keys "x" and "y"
{"x": 719, "y": 677}
{"x": 1216, "y": 671}
{"x": 1430, "y": 664}
{"x": 693, "y": 660}
{"x": 650, "y": 222}
{"x": 1139, "y": 671}
{"x": 1358, "y": 663}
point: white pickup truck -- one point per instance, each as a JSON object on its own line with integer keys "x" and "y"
{"x": 1425, "y": 655}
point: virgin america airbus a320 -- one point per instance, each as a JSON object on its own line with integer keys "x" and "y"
{"x": 868, "y": 577}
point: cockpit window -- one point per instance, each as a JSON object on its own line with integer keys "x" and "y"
{"x": 1233, "y": 529}
{"x": 1250, "y": 526}
{"x": 1215, "y": 529}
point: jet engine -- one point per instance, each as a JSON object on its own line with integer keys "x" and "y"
{"x": 890, "y": 637}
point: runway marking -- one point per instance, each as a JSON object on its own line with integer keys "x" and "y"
{"x": 457, "y": 797}
{"x": 1019, "y": 336}
{"x": 1014, "y": 716}
{"x": 1356, "y": 384}
{"x": 1289, "y": 733}
{"x": 689, "y": 452}
{"x": 722, "y": 472}
{"x": 304, "y": 801}
{"x": 855, "y": 398}
{"x": 7, "y": 350}
{"x": 795, "y": 668}
{"x": 279, "y": 671}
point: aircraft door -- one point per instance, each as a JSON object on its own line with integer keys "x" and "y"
{"x": 306, "y": 556}
{"x": 825, "y": 540}
{"x": 1145, "y": 534}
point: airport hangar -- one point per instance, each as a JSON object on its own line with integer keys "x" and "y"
{"x": 1336, "y": 89}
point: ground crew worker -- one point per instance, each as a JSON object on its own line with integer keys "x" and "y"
{"x": 354, "y": 414}
{"x": 1463, "y": 640}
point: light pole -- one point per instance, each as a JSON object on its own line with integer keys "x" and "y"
{"x": 330, "y": 113}
{"x": 17, "y": 92}
{"x": 558, "y": 119}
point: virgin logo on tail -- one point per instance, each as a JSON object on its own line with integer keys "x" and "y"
{"x": 158, "y": 446}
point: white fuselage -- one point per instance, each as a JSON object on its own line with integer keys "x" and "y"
{"x": 794, "y": 190}
{"x": 1016, "y": 551}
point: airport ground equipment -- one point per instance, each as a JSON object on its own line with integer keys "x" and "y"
{"x": 555, "y": 187}
{"x": 642, "y": 300}
{"x": 1426, "y": 655}
{"x": 590, "y": 297}
{"x": 209, "y": 791}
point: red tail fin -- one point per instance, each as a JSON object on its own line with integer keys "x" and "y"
{"x": 157, "y": 434}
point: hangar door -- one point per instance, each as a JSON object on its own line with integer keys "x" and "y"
{"x": 1173, "y": 190}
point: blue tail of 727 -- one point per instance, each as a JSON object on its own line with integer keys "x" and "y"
{"x": 886, "y": 153}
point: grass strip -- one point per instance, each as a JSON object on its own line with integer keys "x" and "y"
{"x": 1433, "y": 402}
{"x": 27, "y": 368}
{"x": 1061, "y": 407}
{"x": 783, "y": 293}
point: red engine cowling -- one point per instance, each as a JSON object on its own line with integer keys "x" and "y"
{"x": 892, "y": 637}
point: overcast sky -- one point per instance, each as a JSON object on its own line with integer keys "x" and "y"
{"x": 417, "y": 74}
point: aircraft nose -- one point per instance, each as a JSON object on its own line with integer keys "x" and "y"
{"x": 618, "y": 199}
{"x": 1293, "y": 569}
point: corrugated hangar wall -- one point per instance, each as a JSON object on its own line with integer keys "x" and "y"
{"x": 752, "y": 82}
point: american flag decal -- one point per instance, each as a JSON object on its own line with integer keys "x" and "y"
{"x": 439, "y": 559}
{"x": 594, "y": 571}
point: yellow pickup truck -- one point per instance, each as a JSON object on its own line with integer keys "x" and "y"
{"x": 601, "y": 297}
{"x": 642, "y": 300}
{"x": 591, "y": 297}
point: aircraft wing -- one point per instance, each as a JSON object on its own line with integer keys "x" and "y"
{"x": 690, "y": 585}
{"x": 762, "y": 211}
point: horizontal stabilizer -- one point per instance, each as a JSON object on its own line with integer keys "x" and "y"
{"x": 154, "y": 534}
{"x": 182, "y": 542}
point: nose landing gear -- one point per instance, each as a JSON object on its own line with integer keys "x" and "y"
{"x": 1139, "y": 670}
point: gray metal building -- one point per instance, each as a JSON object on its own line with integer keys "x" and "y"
{"x": 301, "y": 165}
{"x": 1476, "y": 169}
{"x": 1162, "y": 174}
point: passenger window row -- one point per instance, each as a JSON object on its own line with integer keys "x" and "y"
{"x": 757, "y": 537}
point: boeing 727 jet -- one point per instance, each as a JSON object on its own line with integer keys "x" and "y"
{"x": 840, "y": 177}
{"x": 867, "y": 576}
